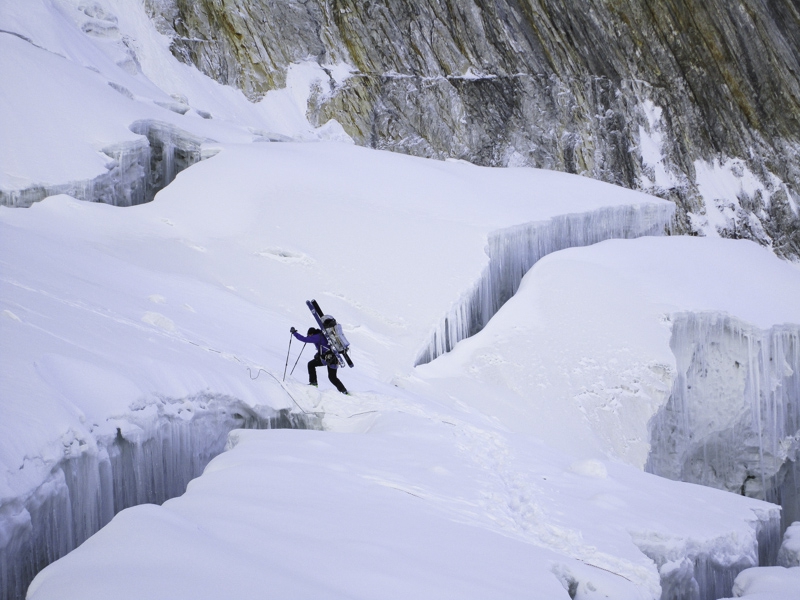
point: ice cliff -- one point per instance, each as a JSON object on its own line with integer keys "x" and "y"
{"x": 732, "y": 420}
{"x": 648, "y": 96}
{"x": 136, "y": 170}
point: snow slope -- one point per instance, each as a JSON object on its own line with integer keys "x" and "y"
{"x": 169, "y": 302}
{"x": 225, "y": 259}
{"x": 84, "y": 73}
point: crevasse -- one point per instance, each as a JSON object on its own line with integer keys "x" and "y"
{"x": 147, "y": 457}
{"x": 513, "y": 251}
{"x": 136, "y": 171}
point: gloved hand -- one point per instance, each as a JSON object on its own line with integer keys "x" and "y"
{"x": 293, "y": 330}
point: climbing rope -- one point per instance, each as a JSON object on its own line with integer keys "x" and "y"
{"x": 283, "y": 387}
{"x": 258, "y": 372}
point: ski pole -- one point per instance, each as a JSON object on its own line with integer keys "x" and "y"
{"x": 286, "y": 366}
{"x": 298, "y": 359}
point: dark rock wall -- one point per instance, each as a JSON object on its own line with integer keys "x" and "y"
{"x": 555, "y": 84}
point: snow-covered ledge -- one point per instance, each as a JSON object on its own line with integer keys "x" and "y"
{"x": 135, "y": 170}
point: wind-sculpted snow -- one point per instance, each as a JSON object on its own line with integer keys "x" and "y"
{"x": 733, "y": 417}
{"x": 595, "y": 346}
{"x": 148, "y": 456}
{"x": 512, "y": 252}
{"x": 132, "y": 340}
{"x": 465, "y": 509}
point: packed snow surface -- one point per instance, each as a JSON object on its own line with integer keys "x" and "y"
{"x": 146, "y": 299}
{"x": 585, "y": 343}
{"x": 133, "y": 339}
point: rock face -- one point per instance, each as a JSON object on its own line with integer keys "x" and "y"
{"x": 697, "y": 101}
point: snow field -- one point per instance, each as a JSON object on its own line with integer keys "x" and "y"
{"x": 178, "y": 304}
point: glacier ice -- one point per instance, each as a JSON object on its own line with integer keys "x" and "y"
{"x": 171, "y": 151}
{"x": 148, "y": 456}
{"x": 732, "y": 420}
{"x": 706, "y": 571}
{"x": 513, "y": 251}
{"x": 136, "y": 171}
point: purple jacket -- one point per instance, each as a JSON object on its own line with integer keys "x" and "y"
{"x": 315, "y": 338}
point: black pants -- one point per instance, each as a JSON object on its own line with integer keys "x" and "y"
{"x": 312, "y": 373}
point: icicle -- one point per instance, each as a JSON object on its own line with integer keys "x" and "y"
{"x": 706, "y": 571}
{"x": 171, "y": 151}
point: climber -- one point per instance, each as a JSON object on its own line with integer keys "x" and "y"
{"x": 324, "y": 356}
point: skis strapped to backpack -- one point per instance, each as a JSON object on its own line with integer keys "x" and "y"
{"x": 333, "y": 334}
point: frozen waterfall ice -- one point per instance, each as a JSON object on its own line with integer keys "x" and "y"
{"x": 694, "y": 572}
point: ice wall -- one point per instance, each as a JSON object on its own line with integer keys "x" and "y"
{"x": 146, "y": 457}
{"x": 733, "y": 417}
{"x": 706, "y": 571}
{"x": 512, "y": 252}
{"x": 136, "y": 170}
{"x": 171, "y": 151}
